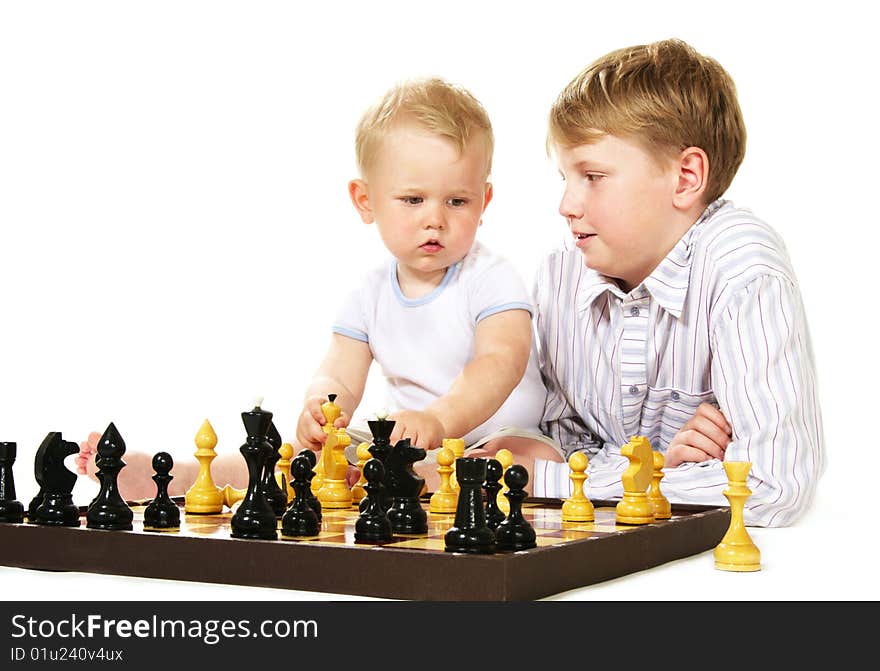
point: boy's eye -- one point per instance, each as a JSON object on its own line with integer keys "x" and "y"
{"x": 457, "y": 202}
{"x": 592, "y": 177}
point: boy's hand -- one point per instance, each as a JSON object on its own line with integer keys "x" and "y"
{"x": 310, "y": 427}
{"x": 704, "y": 436}
{"x": 422, "y": 428}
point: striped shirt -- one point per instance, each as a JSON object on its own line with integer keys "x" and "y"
{"x": 720, "y": 320}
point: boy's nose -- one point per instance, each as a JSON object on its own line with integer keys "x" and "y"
{"x": 570, "y": 207}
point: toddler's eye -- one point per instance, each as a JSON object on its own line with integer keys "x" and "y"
{"x": 457, "y": 202}
{"x": 412, "y": 200}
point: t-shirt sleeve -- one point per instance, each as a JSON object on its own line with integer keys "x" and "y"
{"x": 497, "y": 288}
{"x": 350, "y": 320}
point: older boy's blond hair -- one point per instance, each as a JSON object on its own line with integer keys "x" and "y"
{"x": 435, "y": 105}
{"x": 665, "y": 94}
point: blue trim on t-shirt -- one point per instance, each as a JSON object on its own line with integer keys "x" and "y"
{"x": 357, "y": 335}
{"x": 495, "y": 309}
{"x": 415, "y": 302}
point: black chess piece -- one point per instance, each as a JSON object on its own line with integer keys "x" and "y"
{"x": 470, "y": 533}
{"x": 55, "y": 506}
{"x": 404, "y": 487}
{"x": 255, "y": 517}
{"x": 313, "y": 500}
{"x": 515, "y": 533}
{"x": 11, "y": 510}
{"x": 276, "y": 497}
{"x": 300, "y": 519}
{"x": 162, "y": 512}
{"x": 373, "y": 525}
{"x": 494, "y": 514}
{"x": 381, "y": 430}
{"x": 108, "y": 510}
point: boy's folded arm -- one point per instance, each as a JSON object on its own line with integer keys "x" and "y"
{"x": 502, "y": 345}
{"x": 765, "y": 383}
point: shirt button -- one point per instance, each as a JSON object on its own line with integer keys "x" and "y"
{"x": 634, "y": 311}
{"x": 675, "y": 395}
{"x": 634, "y": 390}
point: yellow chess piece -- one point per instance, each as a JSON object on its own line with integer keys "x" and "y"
{"x": 634, "y": 507}
{"x": 457, "y": 447}
{"x": 335, "y": 492}
{"x": 331, "y": 413}
{"x": 231, "y": 495}
{"x": 283, "y": 466}
{"x": 662, "y": 509}
{"x": 504, "y": 456}
{"x": 363, "y": 454}
{"x": 204, "y": 496}
{"x": 578, "y": 508}
{"x": 444, "y": 500}
{"x": 736, "y": 551}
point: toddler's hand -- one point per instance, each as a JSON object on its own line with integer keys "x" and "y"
{"x": 85, "y": 460}
{"x": 310, "y": 427}
{"x": 704, "y": 436}
{"x": 422, "y": 428}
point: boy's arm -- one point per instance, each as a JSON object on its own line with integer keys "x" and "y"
{"x": 343, "y": 372}
{"x": 502, "y": 344}
{"x": 764, "y": 379}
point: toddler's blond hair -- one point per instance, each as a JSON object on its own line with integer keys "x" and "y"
{"x": 437, "y": 106}
{"x": 665, "y": 94}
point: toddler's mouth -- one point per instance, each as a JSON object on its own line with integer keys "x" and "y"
{"x": 431, "y": 246}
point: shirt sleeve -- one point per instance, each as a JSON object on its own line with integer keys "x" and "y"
{"x": 497, "y": 288}
{"x": 765, "y": 382}
{"x": 561, "y": 421}
{"x": 350, "y": 320}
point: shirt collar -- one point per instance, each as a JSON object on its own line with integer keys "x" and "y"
{"x": 667, "y": 284}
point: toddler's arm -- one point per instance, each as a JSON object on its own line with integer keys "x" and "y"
{"x": 343, "y": 372}
{"x": 502, "y": 344}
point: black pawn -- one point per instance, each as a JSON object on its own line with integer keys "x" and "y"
{"x": 55, "y": 507}
{"x": 494, "y": 514}
{"x": 108, "y": 511}
{"x": 162, "y": 513}
{"x": 11, "y": 511}
{"x": 300, "y": 519}
{"x": 470, "y": 533}
{"x": 515, "y": 533}
{"x": 373, "y": 525}
{"x": 255, "y": 518}
{"x": 276, "y": 497}
{"x": 313, "y": 500}
{"x": 404, "y": 486}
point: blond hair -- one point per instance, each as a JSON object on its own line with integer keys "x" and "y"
{"x": 665, "y": 94}
{"x": 437, "y": 106}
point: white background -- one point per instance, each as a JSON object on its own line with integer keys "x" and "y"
{"x": 176, "y": 231}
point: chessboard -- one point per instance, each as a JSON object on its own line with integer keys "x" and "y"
{"x": 568, "y": 555}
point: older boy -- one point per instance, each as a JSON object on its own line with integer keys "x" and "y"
{"x": 674, "y": 314}
{"x": 448, "y": 321}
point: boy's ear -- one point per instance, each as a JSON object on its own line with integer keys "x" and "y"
{"x": 693, "y": 173}
{"x": 357, "y": 191}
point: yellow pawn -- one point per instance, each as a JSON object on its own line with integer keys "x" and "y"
{"x": 662, "y": 509}
{"x": 736, "y": 551}
{"x": 457, "y": 447}
{"x": 363, "y": 454}
{"x": 231, "y": 495}
{"x": 444, "y": 500}
{"x": 635, "y": 508}
{"x": 578, "y": 508}
{"x": 204, "y": 496}
{"x": 283, "y": 466}
{"x": 504, "y": 456}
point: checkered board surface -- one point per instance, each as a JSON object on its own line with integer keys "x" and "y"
{"x": 337, "y": 527}
{"x": 568, "y": 554}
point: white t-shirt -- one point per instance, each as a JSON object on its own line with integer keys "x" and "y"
{"x": 423, "y": 344}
